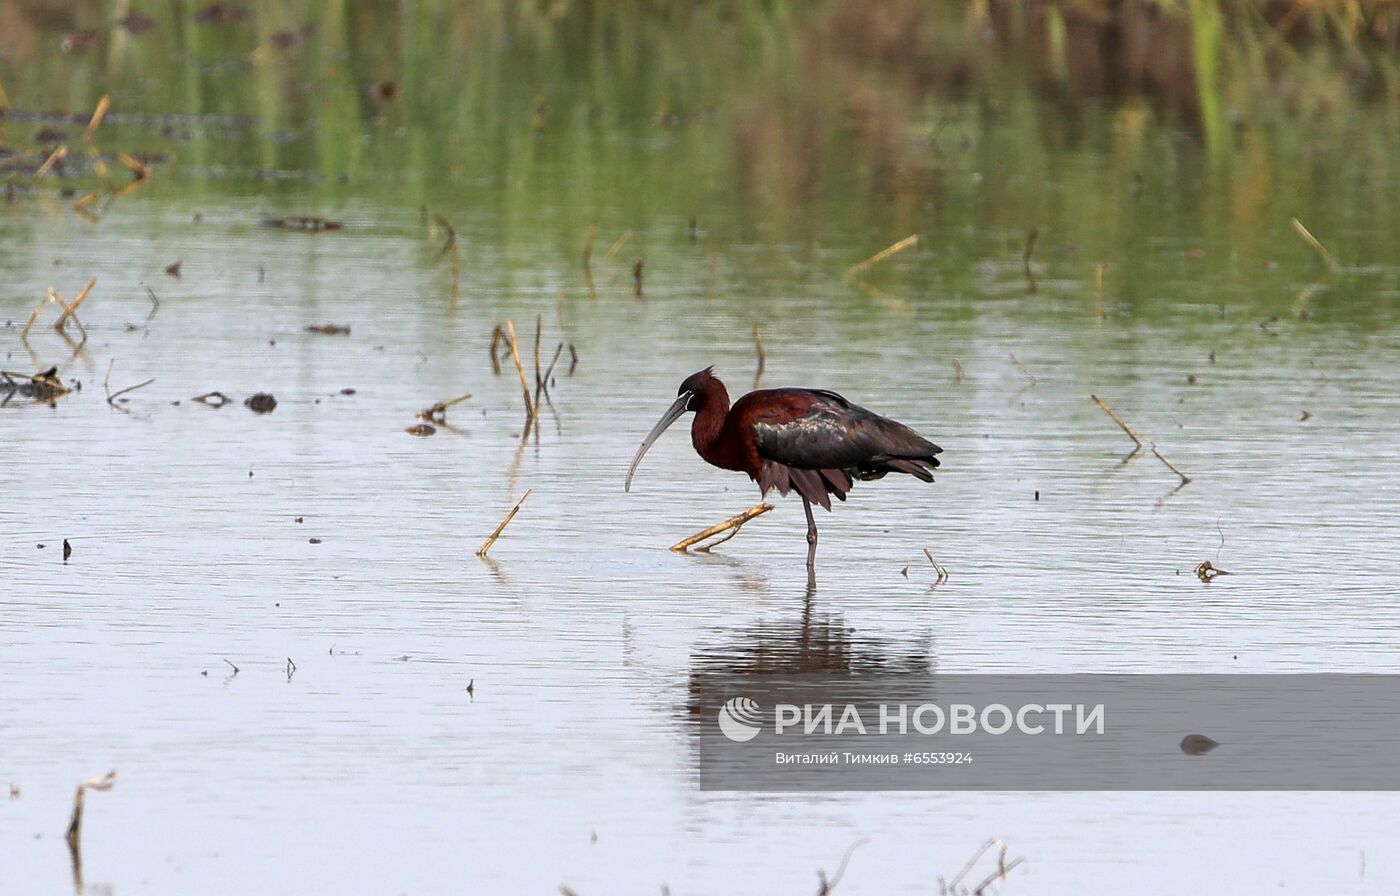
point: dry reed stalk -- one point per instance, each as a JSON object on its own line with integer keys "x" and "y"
{"x": 497, "y": 333}
{"x": 107, "y": 385}
{"x": 71, "y": 308}
{"x": 539, "y": 325}
{"x": 734, "y": 523}
{"x": 75, "y": 824}
{"x": 892, "y": 249}
{"x": 520, "y": 369}
{"x": 98, "y": 113}
{"x": 1098, "y": 290}
{"x": 59, "y": 153}
{"x": 618, "y": 244}
{"x": 491, "y": 539}
{"x": 938, "y": 568}
{"x": 549, "y": 371}
{"x": 762, "y": 355}
{"x": 1026, "y": 258}
{"x": 1311, "y": 240}
{"x": 1170, "y": 466}
{"x": 825, "y": 887}
{"x": 1116, "y": 419}
{"x": 437, "y": 413}
{"x": 588, "y": 244}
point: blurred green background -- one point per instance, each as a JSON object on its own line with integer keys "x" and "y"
{"x": 799, "y": 128}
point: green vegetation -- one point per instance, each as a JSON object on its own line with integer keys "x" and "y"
{"x": 1150, "y": 137}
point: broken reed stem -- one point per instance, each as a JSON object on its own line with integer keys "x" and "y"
{"x": 1026, "y": 258}
{"x": 68, "y": 310}
{"x": 1311, "y": 240}
{"x": 1021, "y": 367}
{"x": 72, "y": 307}
{"x": 99, "y": 113}
{"x": 539, "y": 323}
{"x": 496, "y": 333}
{"x": 1116, "y": 419}
{"x": 1098, "y": 291}
{"x": 762, "y": 355}
{"x": 734, "y": 522}
{"x": 451, "y": 242}
{"x": 107, "y": 385}
{"x": 953, "y": 884}
{"x": 54, "y": 157}
{"x": 491, "y": 539}
{"x": 1003, "y": 868}
{"x": 618, "y": 244}
{"x": 1170, "y": 466}
{"x": 437, "y": 413}
{"x": 75, "y": 825}
{"x": 958, "y": 368}
{"x": 573, "y": 359}
{"x": 826, "y": 886}
{"x": 892, "y": 249}
{"x": 520, "y": 369}
{"x": 588, "y": 244}
{"x": 549, "y": 371}
{"x": 938, "y": 568}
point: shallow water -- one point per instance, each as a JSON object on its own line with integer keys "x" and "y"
{"x": 373, "y": 768}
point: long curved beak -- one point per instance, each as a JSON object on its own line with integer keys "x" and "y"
{"x": 673, "y": 413}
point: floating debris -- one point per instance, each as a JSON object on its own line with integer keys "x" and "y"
{"x": 173, "y": 269}
{"x": 213, "y": 399}
{"x": 305, "y": 223}
{"x": 67, "y": 550}
{"x": 422, "y": 430}
{"x": 329, "y": 329}
{"x": 1197, "y": 745}
{"x": 437, "y": 413}
{"x": 261, "y": 403}
{"x": 43, "y": 386}
{"x": 1208, "y": 572}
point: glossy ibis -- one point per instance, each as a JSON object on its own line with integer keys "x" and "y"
{"x": 810, "y": 441}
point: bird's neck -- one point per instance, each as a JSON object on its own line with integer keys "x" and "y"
{"x": 708, "y": 425}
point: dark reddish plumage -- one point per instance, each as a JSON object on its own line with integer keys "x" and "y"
{"x": 810, "y": 441}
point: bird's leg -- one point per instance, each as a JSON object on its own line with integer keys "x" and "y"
{"x": 811, "y": 536}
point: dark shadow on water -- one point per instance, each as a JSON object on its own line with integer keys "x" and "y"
{"x": 811, "y": 641}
